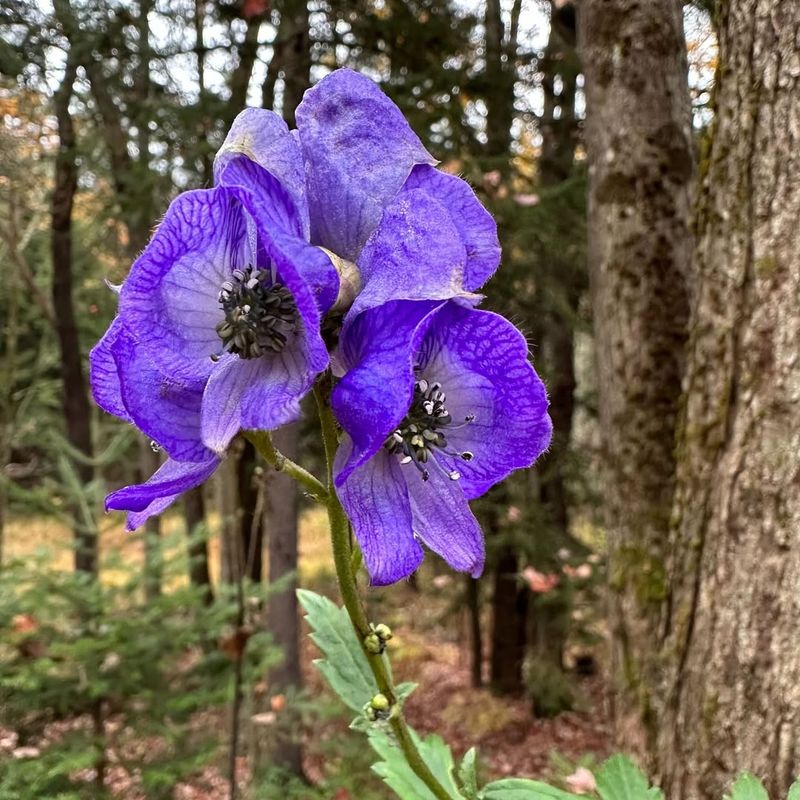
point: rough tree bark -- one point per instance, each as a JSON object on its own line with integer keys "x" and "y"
{"x": 638, "y": 138}
{"x": 734, "y": 616}
{"x": 77, "y": 410}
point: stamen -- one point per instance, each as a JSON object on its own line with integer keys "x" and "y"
{"x": 420, "y": 437}
{"x": 260, "y": 314}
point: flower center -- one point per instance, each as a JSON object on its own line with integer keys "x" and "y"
{"x": 421, "y": 434}
{"x": 259, "y": 315}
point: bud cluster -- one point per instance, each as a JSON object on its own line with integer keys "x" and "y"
{"x": 375, "y": 641}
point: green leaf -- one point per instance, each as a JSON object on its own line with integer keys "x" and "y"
{"x": 467, "y": 774}
{"x": 620, "y": 779}
{"x": 403, "y": 690}
{"x": 345, "y": 666}
{"x": 397, "y": 774}
{"x": 523, "y": 789}
{"x": 748, "y": 787}
{"x": 794, "y": 791}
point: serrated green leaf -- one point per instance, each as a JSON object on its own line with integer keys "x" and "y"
{"x": 523, "y": 789}
{"x": 748, "y": 787}
{"x": 398, "y": 775}
{"x": 620, "y": 779}
{"x": 403, "y": 690}
{"x": 345, "y": 666}
{"x": 794, "y": 791}
{"x": 468, "y": 775}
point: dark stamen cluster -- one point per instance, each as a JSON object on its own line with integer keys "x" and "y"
{"x": 420, "y": 434}
{"x": 259, "y": 315}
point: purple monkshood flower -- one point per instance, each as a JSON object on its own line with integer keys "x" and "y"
{"x": 219, "y": 320}
{"x": 439, "y": 403}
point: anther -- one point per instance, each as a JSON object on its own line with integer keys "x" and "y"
{"x": 259, "y": 314}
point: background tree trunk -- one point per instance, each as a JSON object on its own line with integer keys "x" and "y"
{"x": 557, "y": 314}
{"x": 77, "y": 411}
{"x": 639, "y": 145}
{"x": 734, "y": 621}
{"x": 509, "y": 622}
{"x": 281, "y": 514}
{"x": 509, "y": 604}
{"x": 251, "y": 523}
{"x": 194, "y": 514}
{"x": 149, "y": 462}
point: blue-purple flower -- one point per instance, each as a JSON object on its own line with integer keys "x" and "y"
{"x": 219, "y": 325}
{"x": 128, "y": 384}
{"x": 439, "y": 403}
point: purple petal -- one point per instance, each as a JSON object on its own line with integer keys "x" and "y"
{"x": 299, "y": 264}
{"x": 442, "y": 519}
{"x": 481, "y": 360}
{"x": 165, "y": 407}
{"x": 359, "y": 150}
{"x": 376, "y": 502}
{"x": 259, "y": 393}
{"x": 415, "y": 254}
{"x": 264, "y": 138}
{"x": 378, "y": 351}
{"x": 170, "y": 299}
{"x": 171, "y": 480}
{"x": 476, "y": 227}
{"x": 103, "y": 375}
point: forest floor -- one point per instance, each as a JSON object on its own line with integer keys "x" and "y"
{"x": 430, "y": 647}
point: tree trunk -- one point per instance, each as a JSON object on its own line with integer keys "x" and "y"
{"x": 500, "y": 76}
{"x": 734, "y": 616}
{"x": 251, "y": 523}
{"x": 231, "y": 556}
{"x": 558, "y": 312}
{"x": 641, "y": 166}
{"x": 473, "y": 597}
{"x": 509, "y": 622}
{"x": 509, "y": 606}
{"x": 149, "y": 462}
{"x": 75, "y": 401}
{"x": 283, "y": 622}
{"x": 295, "y": 57}
{"x": 194, "y": 513}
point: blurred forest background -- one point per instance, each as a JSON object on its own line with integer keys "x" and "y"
{"x": 641, "y": 590}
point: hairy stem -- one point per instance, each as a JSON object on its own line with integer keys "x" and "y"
{"x": 262, "y": 441}
{"x": 342, "y": 553}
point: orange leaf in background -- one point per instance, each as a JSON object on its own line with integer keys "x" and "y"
{"x": 539, "y": 582}
{"x": 254, "y": 8}
{"x": 583, "y": 571}
{"x": 581, "y": 781}
{"x": 234, "y": 644}
{"x": 24, "y": 623}
{"x": 277, "y": 703}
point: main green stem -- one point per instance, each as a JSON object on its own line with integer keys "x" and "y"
{"x": 340, "y": 539}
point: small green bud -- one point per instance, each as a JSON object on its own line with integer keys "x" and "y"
{"x": 384, "y": 632}
{"x": 378, "y": 708}
{"x": 373, "y": 643}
